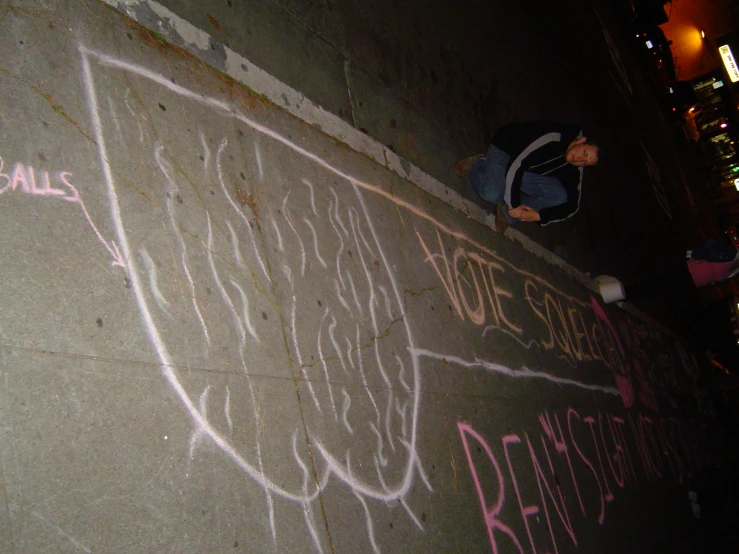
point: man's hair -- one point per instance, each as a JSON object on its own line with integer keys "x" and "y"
{"x": 597, "y": 147}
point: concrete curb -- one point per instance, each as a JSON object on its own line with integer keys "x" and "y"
{"x": 179, "y": 32}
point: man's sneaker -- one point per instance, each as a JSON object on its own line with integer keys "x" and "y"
{"x": 464, "y": 165}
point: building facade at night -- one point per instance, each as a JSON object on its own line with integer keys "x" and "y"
{"x": 704, "y": 39}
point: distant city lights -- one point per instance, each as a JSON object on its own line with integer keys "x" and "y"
{"x": 729, "y": 62}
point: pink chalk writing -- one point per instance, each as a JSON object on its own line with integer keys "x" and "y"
{"x": 558, "y": 502}
{"x": 586, "y": 461}
{"x": 615, "y": 353}
{"x": 526, "y": 511}
{"x": 24, "y": 179}
{"x": 490, "y": 513}
{"x": 590, "y": 421}
{"x": 601, "y": 464}
{"x": 557, "y": 438}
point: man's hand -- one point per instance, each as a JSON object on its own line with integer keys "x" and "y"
{"x": 524, "y": 213}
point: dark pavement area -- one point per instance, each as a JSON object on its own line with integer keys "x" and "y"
{"x": 225, "y": 328}
{"x": 433, "y": 82}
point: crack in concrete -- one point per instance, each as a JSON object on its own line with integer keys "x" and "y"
{"x": 354, "y": 349}
{"x": 58, "y": 108}
{"x": 347, "y": 64}
{"x": 408, "y": 292}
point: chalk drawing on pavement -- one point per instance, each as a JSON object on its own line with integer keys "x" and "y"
{"x": 579, "y": 463}
{"x": 361, "y": 302}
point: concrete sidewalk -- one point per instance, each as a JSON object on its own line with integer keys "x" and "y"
{"x": 225, "y": 329}
{"x": 431, "y": 84}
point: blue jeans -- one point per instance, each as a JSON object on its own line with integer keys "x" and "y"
{"x": 537, "y": 191}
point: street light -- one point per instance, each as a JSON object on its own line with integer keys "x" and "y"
{"x": 703, "y": 34}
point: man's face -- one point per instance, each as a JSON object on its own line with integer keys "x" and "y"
{"x": 582, "y": 155}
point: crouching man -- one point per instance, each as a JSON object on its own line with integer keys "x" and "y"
{"x": 532, "y": 171}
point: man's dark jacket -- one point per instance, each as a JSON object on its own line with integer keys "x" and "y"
{"x": 540, "y": 147}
